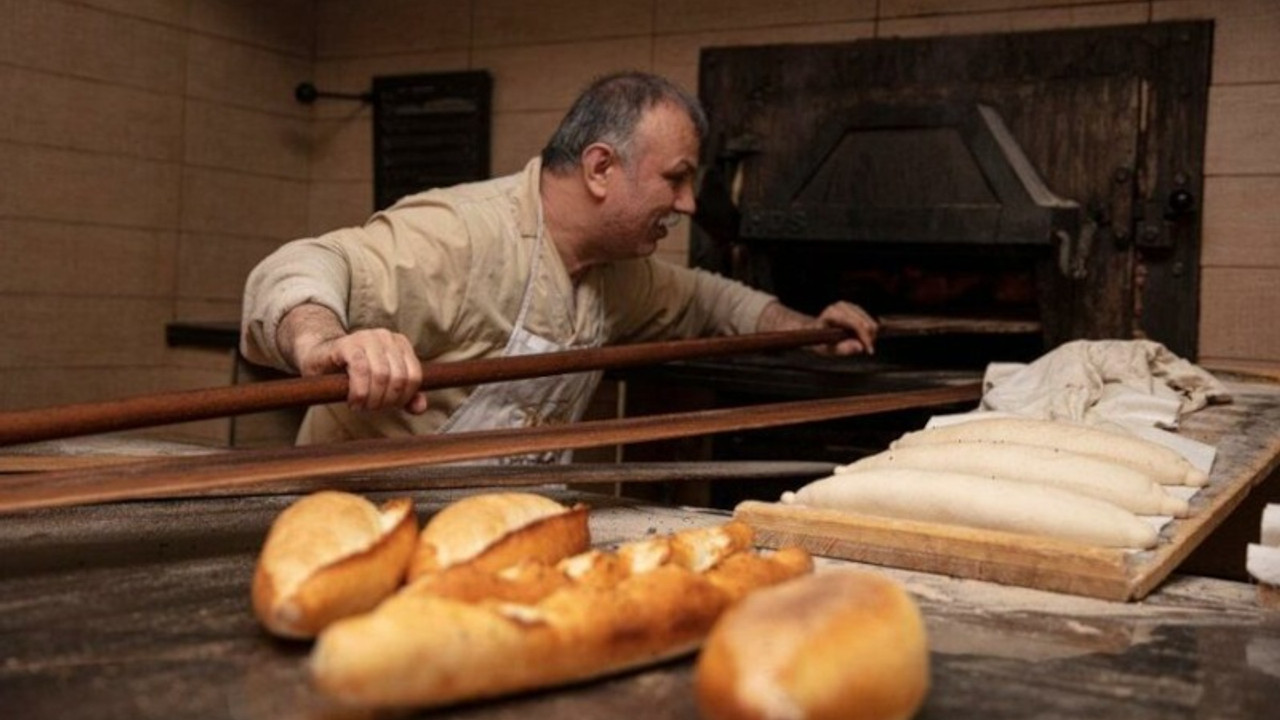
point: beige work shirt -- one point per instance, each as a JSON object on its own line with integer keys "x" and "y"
{"x": 448, "y": 269}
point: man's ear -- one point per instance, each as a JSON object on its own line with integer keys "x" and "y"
{"x": 599, "y": 161}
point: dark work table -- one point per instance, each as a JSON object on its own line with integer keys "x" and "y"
{"x": 141, "y": 610}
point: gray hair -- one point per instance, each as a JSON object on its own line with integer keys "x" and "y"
{"x": 609, "y": 110}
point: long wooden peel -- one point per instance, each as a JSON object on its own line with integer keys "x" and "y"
{"x": 161, "y": 409}
{"x": 155, "y": 478}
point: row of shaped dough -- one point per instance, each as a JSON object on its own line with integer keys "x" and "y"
{"x": 1038, "y": 477}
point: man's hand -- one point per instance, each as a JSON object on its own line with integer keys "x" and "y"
{"x": 777, "y": 317}
{"x": 382, "y": 369}
{"x": 851, "y": 317}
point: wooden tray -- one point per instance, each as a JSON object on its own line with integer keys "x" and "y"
{"x": 1246, "y": 433}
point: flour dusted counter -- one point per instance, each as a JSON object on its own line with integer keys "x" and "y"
{"x": 141, "y": 609}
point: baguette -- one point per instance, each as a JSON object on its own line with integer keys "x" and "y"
{"x": 1158, "y": 462}
{"x": 836, "y": 645}
{"x": 330, "y": 555}
{"x": 958, "y": 499}
{"x": 422, "y": 649}
{"x": 493, "y": 531}
{"x": 1084, "y": 474}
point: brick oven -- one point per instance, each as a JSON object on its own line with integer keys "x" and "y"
{"x": 988, "y": 197}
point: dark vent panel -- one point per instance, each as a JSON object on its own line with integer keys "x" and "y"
{"x": 429, "y": 131}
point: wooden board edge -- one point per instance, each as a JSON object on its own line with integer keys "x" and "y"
{"x": 1190, "y": 532}
{"x": 1005, "y": 558}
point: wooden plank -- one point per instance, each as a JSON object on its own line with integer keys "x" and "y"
{"x": 910, "y": 325}
{"x": 154, "y": 478}
{"x": 25, "y": 426}
{"x": 953, "y": 550}
{"x": 1245, "y": 432}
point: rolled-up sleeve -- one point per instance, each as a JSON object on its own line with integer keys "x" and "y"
{"x": 313, "y": 270}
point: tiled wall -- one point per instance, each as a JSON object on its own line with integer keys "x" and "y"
{"x": 151, "y": 151}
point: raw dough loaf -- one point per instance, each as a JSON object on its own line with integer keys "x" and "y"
{"x": 1158, "y": 462}
{"x": 958, "y": 499}
{"x": 1084, "y": 474}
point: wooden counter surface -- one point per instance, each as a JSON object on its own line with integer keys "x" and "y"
{"x": 141, "y": 610}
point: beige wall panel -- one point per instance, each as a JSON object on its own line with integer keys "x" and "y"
{"x": 285, "y": 25}
{"x": 41, "y": 258}
{"x": 519, "y": 22}
{"x": 333, "y": 205}
{"x": 76, "y": 40}
{"x": 549, "y": 77}
{"x": 1056, "y": 18}
{"x": 59, "y": 330}
{"x": 355, "y": 75}
{"x": 218, "y": 136}
{"x": 38, "y": 182}
{"x": 8, "y": 20}
{"x": 906, "y": 8}
{"x": 519, "y": 136}
{"x": 1238, "y": 314}
{"x": 68, "y": 112}
{"x": 676, "y": 56}
{"x": 239, "y": 75}
{"x": 35, "y": 387}
{"x": 1241, "y": 222}
{"x": 1246, "y": 36}
{"x": 691, "y": 15}
{"x": 207, "y": 310}
{"x": 169, "y": 12}
{"x": 352, "y": 28}
{"x": 216, "y": 364}
{"x": 227, "y": 203}
{"x": 214, "y": 267}
{"x": 677, "y": 240}
{"x": 343, "y": 149}
{"x": 1243, "y": 135}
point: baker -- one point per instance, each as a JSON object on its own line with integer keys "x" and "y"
{"x": 555, "y": 257}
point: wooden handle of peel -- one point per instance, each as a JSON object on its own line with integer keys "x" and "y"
{"x": 164, "y": 408}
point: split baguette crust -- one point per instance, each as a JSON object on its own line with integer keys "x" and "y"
{"x": 835, "y": 645}
{"x": 328, "y": 556}
{"x": 973, "y": 501}
{"x": 1087, "y": 475}
{"x": 421, "y": 649}
{"x": 497, "y": 530}
{"x": 1160, "y": 463}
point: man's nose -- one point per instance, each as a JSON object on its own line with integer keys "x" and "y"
{"x": 685, "y": 202}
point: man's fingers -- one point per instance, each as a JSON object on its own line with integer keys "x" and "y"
{"x": 851, "y": 317}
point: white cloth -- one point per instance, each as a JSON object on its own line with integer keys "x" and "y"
{"x": 1132, "y": 383}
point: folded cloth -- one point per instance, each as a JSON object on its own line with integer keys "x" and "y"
{"x": 1125, "y": 382}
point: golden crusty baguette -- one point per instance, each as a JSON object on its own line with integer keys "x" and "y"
{"x": 330, "y": 555}
{"x": 835, "y": 645}
{"x": 419, "y": 649}
{"x": 496, "y": 530}
{"x": 523, "y": 583}
{"x": 528, "y": 582}
{"x": 1156, "y": 461}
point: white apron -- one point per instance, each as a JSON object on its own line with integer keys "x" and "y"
{"x": 551, "y": 400}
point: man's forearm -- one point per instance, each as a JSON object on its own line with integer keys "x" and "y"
{"x": 303, "y": 328}
{"x": 777, "y": 317}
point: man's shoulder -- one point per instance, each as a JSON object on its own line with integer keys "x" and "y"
{"x": 482, "y": 192}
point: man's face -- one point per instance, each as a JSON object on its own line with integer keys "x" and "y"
{"x": 656, "y": 185}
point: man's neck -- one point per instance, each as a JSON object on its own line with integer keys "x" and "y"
{"x": 565, "y": 207}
